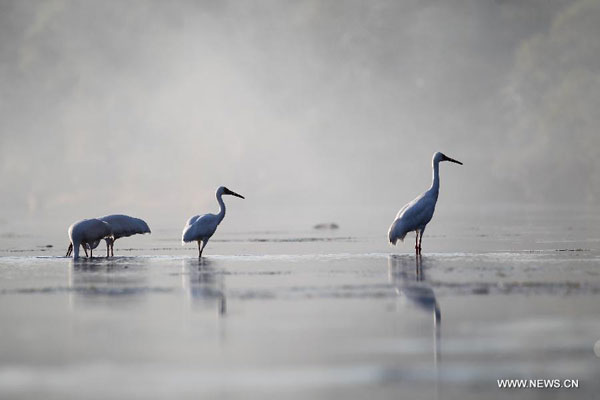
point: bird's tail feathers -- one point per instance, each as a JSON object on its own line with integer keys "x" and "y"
{"x": 394, "y": 240}
{"x": 393, "y": 234}
{"x": 186, "y": 238}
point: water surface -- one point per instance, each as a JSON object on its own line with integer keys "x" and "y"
{"x": 302, "y": 315}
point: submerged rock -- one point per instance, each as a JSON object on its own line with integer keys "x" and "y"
{"x": 326, "y": 225}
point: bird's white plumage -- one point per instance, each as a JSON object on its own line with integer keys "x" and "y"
{"x": 415, "y": 216}
{"x": 200, "y": 228}
{"x": 124, "y": 225}
{"x": 412, "y": 217}
{"x": 86, "y": 232}
{"x": 121, "y": 226}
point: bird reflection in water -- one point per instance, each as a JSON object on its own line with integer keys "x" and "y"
{"x": 107, "y": 280}
{"x": 204, "y": 283}
{"x": 407, "y": 274}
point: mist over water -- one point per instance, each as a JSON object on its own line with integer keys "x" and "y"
{"x": 316, "y": 111}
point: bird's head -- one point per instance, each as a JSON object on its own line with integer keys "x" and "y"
{"x": 439, "y": 157}
{"x": 224, "y": 191}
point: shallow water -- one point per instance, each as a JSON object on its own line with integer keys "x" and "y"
{"x": 302, "y": 315}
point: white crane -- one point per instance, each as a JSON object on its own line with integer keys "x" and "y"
{"x": 85, "y": 233}
{"x": 416, "y": 215}
{"x": 200, "y": 228}
{"x": 122, "y": 226}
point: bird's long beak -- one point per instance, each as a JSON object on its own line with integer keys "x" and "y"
{"x": 453, "y": 160}
{"x": 236, "y": 195}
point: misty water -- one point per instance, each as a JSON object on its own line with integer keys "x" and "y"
{"x": 306, "y": 313}
{"x": 317, "y": 112}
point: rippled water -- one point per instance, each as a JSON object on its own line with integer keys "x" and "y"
{"x": 301, "y": 315}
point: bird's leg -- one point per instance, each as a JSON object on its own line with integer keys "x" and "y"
{"x": 85, "y": 245}
{"x": 69, "y": 249}
{"x": 417, "y": 242}
{"x": 112, "y": 248}
{"x": 420, "y": 240}
{"x": 109, "y": 244}
{"x": 204, "y": 242}
{"x": 200, "y": 248}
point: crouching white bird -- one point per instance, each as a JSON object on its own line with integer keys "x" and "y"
{"x": 123, "y": 226}
{"x": 85, "y": 233}
{"x": 200, "y": 228}
{"x": 416, "y": 215}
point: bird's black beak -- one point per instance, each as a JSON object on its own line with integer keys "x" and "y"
{"x": 231, "y": 192}
{"x": 453, "y": 160}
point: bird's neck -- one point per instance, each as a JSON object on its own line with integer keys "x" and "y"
{"x": 221, "y": 213}
{"x": 435, "y": 183}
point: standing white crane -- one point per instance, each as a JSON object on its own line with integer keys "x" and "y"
{"x": 85, "y": 233}
{"x": 416, "y": 215}
{"x": 200, "y": 228}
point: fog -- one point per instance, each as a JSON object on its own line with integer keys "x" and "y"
{"x": 314, "y": 110}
